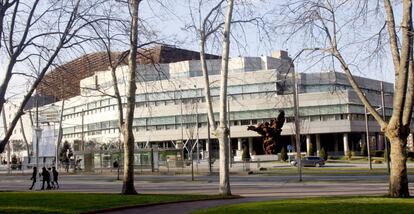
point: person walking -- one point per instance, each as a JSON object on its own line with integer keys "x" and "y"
{"x": 52, "y": 185}
{"x": 46, "y": 178}
{"x": 33, "y": 178}
{"x": 55, "y": 176}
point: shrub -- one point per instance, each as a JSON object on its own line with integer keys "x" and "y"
{"x": 245, "y": 154}
{"x": 349, "y": 155}
{"x": 65, "y": 152}
{"x": 353, "y": 153}
{"x": 379, "y": 153}
{"x": 364, "y": 151}
{"x": 14, "y": 159}
{"x": 410, "y": 155}
{"x": 283, "y": 154}
{"x": 323, "y": 154}
{"x": 310, "y": 150}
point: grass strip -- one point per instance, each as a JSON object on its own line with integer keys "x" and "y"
{"x": 337, "y": 205}
{"x": 59, "y": 202}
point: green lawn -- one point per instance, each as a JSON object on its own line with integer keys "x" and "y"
{"x": 336, "y": 205}
{"x": 51, "y": 202}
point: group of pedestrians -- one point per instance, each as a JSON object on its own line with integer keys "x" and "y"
{"x": 49, "y": 177}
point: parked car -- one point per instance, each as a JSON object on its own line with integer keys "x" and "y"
{"x": 310, "y": 161}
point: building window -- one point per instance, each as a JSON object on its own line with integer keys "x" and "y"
{"x": 244, "y": 122}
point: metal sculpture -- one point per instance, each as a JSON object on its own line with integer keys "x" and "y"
{"x": 270, "y": 132}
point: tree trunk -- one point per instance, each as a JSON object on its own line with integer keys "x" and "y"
{"x": 128, "y": 182}
{"x": 204, "y": 69}
{"x": 398, "y": 186}
{"x": 128, "y": 187}
{"x": 223, "y": 131}
{"x": 26, "y": 143}
{"x": 60, "y": 133}
{"x": 224, "y": 188}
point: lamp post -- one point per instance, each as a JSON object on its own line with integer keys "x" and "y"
{"x": 367, "y": 138}
{"x": 228, "y": 124}
{"x": 181, "y": 121}
{"x": 209, "y": 147}
{"x": 367, "y": 132}
{"x": 297, "y": 123}
{"x": 38, "y": 132}
{"x": 384, "y": 138}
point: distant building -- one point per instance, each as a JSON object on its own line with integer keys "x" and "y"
{"x": 170, "y": 106}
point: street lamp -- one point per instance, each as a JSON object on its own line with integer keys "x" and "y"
{"x": 384, "y": 138}
{"x": 297, "y": 124}
{"x": 181, "y": 116}
{"x": 38, "y": 133}
{"x": 367, "y": 138}
{"x": 367, "y": 133}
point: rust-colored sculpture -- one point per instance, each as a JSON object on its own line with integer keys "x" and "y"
{"x": 271, "y": 132}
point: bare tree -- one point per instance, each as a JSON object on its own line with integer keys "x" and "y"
{"x": 128, "y": 182}
{"x": 34, "y": 37}
{"x": 25, "y": 140}
{"x": 223, "y": 130}
{"x": 324, "y": 24}
{"x": 210, "y": 27}
{"x": 109, "y": 34}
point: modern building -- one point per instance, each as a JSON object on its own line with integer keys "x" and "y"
{"x": 63, "y": 82}
{"x": 171, "y": 109}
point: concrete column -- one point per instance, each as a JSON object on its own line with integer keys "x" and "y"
{"x": 251, "y": 145}
{"x": 239, "y": 143}
{"x": 239, "y": 152}
{"x": 318, "y": 144}
{"x": 346, "y": 144}
{"x": 380, "y": 142}
{"x": 207, "y": 146}
{"x": 308, "y": 144}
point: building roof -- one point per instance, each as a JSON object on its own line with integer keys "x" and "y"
{"x": 63, "y": 82}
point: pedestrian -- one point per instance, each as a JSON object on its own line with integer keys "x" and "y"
{"x": 46, "y": 178}
{"x": 55, "y": 177}
{"x": 52, "y": 185}
{"x": 19, "y": 165}
{"x": 33, "y": 178}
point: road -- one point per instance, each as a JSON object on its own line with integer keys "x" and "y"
{"x": 247, "y": 185}
{"x": 256, "y": 187}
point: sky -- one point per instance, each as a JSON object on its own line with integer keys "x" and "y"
{"x": 251, "y": 43}
{"x": 170, "y": 21}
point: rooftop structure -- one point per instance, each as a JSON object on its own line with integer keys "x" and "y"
{"x": 63, "y": 82}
